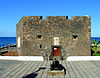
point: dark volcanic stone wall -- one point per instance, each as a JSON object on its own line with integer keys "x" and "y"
{"x": 54, "y": 26}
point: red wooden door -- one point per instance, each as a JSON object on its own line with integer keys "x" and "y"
{"x": 56, "y": 51}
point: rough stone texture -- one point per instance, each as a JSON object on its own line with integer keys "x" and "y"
{"x": 54, "y": 26}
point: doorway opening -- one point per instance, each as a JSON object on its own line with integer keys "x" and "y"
{"x": 56, "y": 51}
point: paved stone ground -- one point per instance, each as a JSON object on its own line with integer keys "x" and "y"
{"x": 30, "y": 69}
{"x": 96, "y": 63}
{"x": 6, "y": 64}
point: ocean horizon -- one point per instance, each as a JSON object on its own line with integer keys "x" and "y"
{"x": 12, "y": 40}
{"x": 7, "y": 40}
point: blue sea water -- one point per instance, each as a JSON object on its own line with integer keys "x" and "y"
{"x": 8, "y": 40}
{"x": 95, "y": 38}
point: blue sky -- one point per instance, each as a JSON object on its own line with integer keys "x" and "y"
{"x": 11, "y": 11}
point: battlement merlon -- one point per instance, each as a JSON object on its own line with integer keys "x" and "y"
{"x": 37, "y": 18}
{"x": 81, "y": 17}
{"x": 26, "y": 18}
{"x": 52, "y": 17}
{"x": 47, "y": 17}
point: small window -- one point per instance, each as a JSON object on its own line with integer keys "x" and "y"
{"x": 40, "y": 46}
{"x": 39, "y": 36}
{"x": 75, "y": 36}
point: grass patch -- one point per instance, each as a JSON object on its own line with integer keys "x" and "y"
{"x": 98, "y": 54}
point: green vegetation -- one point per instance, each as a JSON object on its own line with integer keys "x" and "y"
{"x": 98, "y": 48}
{"x": 95, "y": 50}
{"x": 0, "y": 52}
{"x": 98, "y": 54}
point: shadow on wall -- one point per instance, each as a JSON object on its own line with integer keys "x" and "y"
{"x": 34, "y": 74}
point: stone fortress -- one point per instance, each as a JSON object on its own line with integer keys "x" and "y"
{"x": 54, "y": 37}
